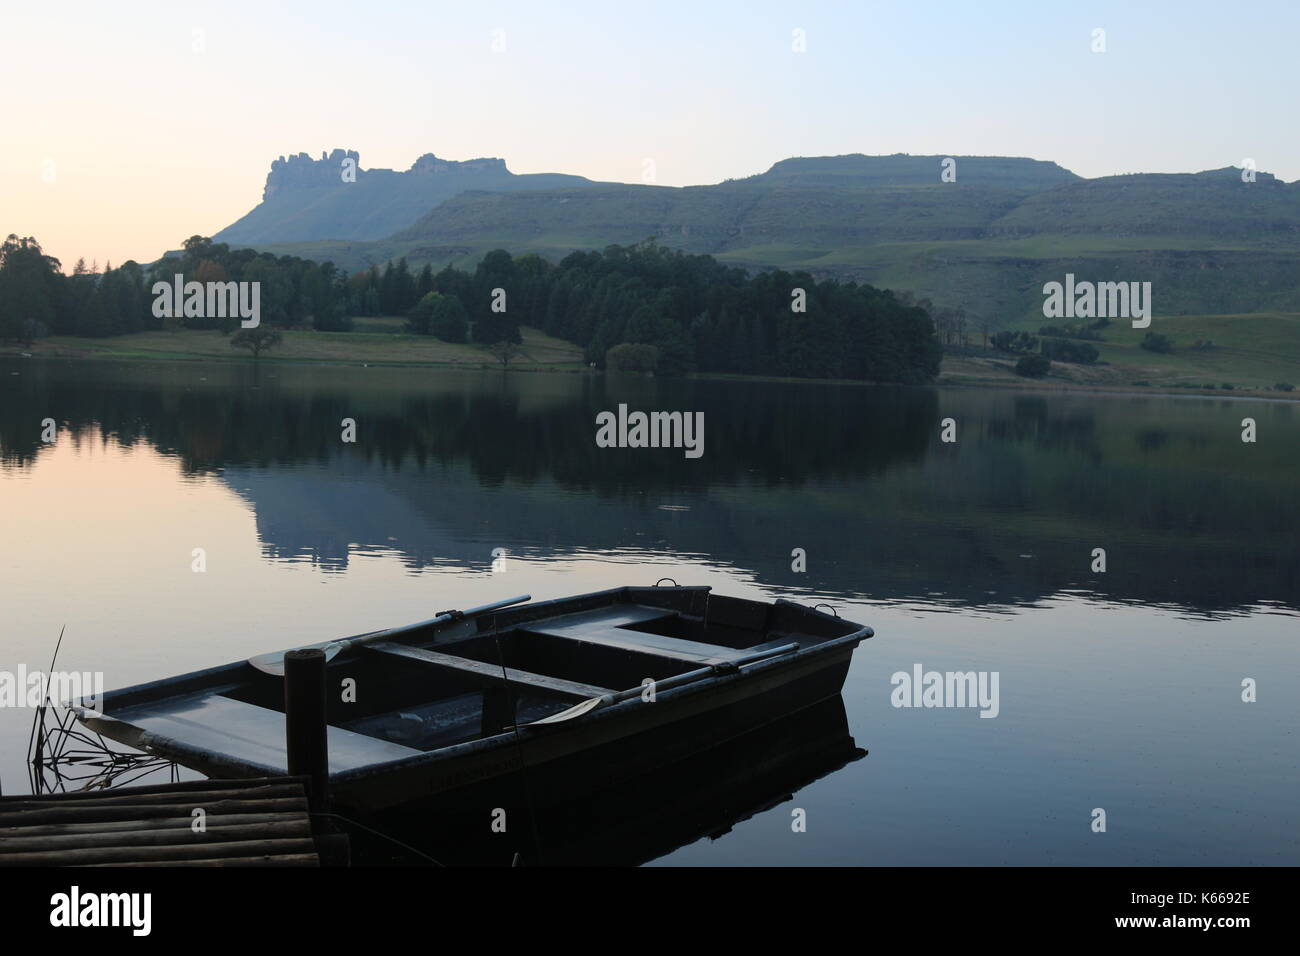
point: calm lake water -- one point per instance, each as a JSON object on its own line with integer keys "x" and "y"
{"x": 1119, "y": 690}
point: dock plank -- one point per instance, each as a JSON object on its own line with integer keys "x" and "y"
{"x": 260, "y": 822}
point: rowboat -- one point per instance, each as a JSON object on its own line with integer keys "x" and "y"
{"x": 466, "y": 697}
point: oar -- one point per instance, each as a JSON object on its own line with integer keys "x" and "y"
{"x": 591, "y": 703}
{"x": 273, "y": 663}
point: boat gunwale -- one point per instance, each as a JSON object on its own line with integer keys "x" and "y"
{"x": 220, "y": 763}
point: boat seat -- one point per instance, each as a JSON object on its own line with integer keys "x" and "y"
{"x": 607, "y": 626}
{"x": 250, "y": 733}
{"x": 490, "y": 671}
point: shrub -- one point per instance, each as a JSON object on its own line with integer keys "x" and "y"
{"x": 441, "y": 316}
{"x": 1015, "y": 343}
{"x": 448, "y": 321}
{"x": 417, "y": 319}
{"x": 31, "y": 330}
{"x": 632, "y": 357}
{"x": 1155, "y": 342}
{"x": 1033, "y": 366}
{"x": 331, "y": 320}
{"x": 1284, "y": 387}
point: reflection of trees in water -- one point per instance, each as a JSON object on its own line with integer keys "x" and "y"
{"x": 855, "y": 476}
{"x": 750, "y": 431}
{"x": 1032, "y": 420}
{"x": 1152, "y": 439}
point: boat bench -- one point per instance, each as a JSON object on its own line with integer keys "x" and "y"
{"x": 247, "y": 732}
{"x": 492, "y": 671}
{"x": 607, "y": 626}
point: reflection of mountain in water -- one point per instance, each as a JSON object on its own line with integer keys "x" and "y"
{"x": 450, "y": 465}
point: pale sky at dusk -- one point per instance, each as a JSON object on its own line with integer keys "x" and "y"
{"x": 131, "y": 126}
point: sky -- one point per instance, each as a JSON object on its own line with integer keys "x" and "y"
{"x": 127, "y": 127}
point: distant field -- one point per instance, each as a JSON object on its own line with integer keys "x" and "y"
{"x": 379, "y": 341}
{"x": 1250, "y": 352}
{"x": 1262, "y": 348}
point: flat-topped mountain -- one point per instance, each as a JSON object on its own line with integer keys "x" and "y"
{"x": 333, "y": 197}
{"x": 904, "y": 169}
{"x": 834, "y": 201}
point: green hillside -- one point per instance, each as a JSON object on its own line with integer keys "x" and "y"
{"x": 1249, "y": 352}
{"x": 1208, "y": 242}
{"x": 1215, "y": 206}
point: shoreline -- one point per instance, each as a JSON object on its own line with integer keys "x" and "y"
{"x": 1249, "y": 394}
{"x": 949, "y": 381}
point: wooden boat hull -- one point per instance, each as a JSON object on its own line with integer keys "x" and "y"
{"x": 222, "y": 722}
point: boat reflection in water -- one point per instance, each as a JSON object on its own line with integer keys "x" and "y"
{"x": 582, "y": 814}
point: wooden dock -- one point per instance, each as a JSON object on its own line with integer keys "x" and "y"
{"x": 261, "y": 822}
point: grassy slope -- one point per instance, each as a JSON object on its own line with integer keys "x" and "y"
{"x": 1002, "y": 278}
{"x": 1253, "y": 351}
{"x": 1260, "y": 348}
{"x": 376, "y": 342}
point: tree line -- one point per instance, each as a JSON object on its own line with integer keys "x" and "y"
{"x": 37, "y": 298}
{"x": 698, "y": 314}
{"x": 695, "y": 314}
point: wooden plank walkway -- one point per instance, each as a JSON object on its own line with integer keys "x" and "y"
{"x": 261, "y": 822}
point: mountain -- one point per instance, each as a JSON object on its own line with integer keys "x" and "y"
{"x": 1209, "y": 242}
{"x": 1210, "y": 207}
{"x": 334, "y": 198}
{"x": 834, "y": 202}
{"x": 903, "y": 169}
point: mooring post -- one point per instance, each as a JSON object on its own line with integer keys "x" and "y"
{"x": 304, "y": 722}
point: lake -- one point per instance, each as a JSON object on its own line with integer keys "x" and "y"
{"x": 1120, "y": 690}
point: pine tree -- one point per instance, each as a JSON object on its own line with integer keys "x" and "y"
{"x": 29, "y": 286}
{"x": 424, "y": 284}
